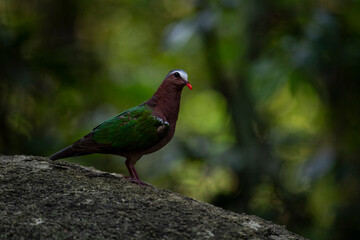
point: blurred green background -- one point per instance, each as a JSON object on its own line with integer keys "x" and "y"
{"x": 271, "y": 127}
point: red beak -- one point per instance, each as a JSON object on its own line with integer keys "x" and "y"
{"x": 189, "y": 86}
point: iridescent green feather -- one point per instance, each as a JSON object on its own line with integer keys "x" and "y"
{"x": 131, "y": 130}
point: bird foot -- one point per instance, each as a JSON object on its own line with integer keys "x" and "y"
{"x": 137, "y": 181}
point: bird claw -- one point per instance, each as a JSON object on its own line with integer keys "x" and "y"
{"x": 137, "y": 181}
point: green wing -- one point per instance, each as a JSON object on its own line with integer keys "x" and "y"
{"x": 131, "y": 130}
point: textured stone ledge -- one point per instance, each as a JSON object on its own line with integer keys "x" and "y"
{"x": 43, "y": 199}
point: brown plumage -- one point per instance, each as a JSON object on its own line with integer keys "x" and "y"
{"x": 138, "y": 131}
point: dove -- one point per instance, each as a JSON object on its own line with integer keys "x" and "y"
{"x": 137, "y": 131}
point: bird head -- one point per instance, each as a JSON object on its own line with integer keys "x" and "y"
{"x": 178, "y": 77}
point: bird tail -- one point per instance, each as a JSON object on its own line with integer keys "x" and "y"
{"x": 66, "y": 152}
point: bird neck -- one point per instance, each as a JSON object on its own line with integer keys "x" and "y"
{"x": 166, "y": 101}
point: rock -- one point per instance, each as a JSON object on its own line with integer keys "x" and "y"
{"x": 43, "y": 199}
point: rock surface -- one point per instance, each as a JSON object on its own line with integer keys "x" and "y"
{"x": 43, "y": 199}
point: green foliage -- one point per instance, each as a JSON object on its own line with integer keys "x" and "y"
{"x": 271, "y": 127}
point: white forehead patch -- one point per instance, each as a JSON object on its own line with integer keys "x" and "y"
{"x": 182, "y": 73}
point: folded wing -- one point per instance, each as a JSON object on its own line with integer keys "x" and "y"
{"x": 133, "y": 130}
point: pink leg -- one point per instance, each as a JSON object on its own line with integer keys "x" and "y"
{"x": 133, "y": 174}
{"x": 127, "y": 163}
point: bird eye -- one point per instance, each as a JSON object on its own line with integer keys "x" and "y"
{"x": 177, "y": 75}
